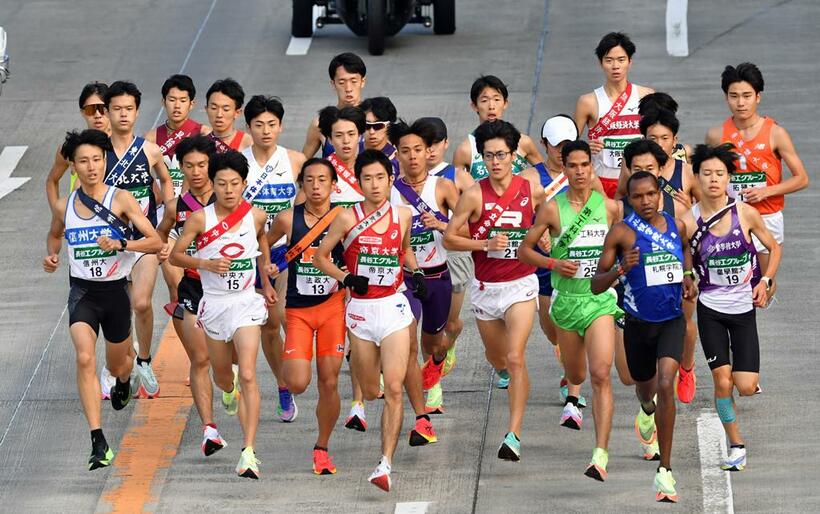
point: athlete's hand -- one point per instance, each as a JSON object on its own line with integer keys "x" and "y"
{"x": 107, "y": 244}
{"x": 221, "y": 265}
{"x": 51, "y": 262}
{"x": 498, "y": 243}
{"x": 164, "y": 252}
{"x": 690, "y": 290}
{"x": 760, "y": 295}
{"x": 271, "y": 270}
{"x": 419, "y": 285}
{"x": 755, "y": 194}
{"x": 356, "y": 283}
{"x": 630, "y": 258}
{"x": 566, "y": 268}
{"x": 545, "y": 243}
{"x": 684, "y": 199}
{"x": 595, "y": 146}
{"x": 269, "y": 293}
{"x": 432, "y": 222}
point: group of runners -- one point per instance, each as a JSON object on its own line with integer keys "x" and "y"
{"x": 614, "y": 241}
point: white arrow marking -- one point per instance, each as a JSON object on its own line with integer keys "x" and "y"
{"x": 8, "y": 161}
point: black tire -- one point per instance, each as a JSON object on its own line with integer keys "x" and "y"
{"x": 301, "y": 24}
{"x": 376, "y": 25}
{"x": 444, "y": 16}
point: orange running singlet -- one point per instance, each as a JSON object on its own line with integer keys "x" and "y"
{"x": 758, "y": 165}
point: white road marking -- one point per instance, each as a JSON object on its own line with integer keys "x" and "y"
{"x": 717, "y": 484}
{"x": 677, "y": 32}
{"x": 8, "y": 161}
{"x": 301, "y": 45}
{"x": 411, "y": 507}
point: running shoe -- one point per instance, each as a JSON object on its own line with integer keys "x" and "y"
{"x": 686, "y": 384}
{"x": 665, "y": 486}
{"x": 758, "y": 389}
{"x": 563, "y": 392}
{"x": 510, "y": 448}
{"x": 381, "y": 477}
{"x": 120, "y": 394}
{"x": 380, "y": 396}
{"x": 231, "y": 401}
{"x": 106, "y": 383}
{"x": 356, "y": 420}
{"x": 323, "y": 463}
{"x": 101, "y": 456}
{"x": 572, "y": 417}
{"x": 435, "y": 400}
{"x": 431, "y": 373}
{"x": 212, "y": 442}
{"x": 503, "y": 379}
{"x": 422, "y": 433}
{"x": 449, "y": 361}
{"x": 647, "y": 435}
{"x": 248, "y": 466}
{"x": 286, "y": 408}
{"x": 148, "y": 388}
{"x": 597, "y": 466}
{"x": 736, "y": 461}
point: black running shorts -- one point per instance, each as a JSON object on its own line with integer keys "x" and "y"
{"x": 101, "y": 304}
{"x": 729, "y": 339}
{"x": 645, "y": 343}
{"x": 189, "y": 293}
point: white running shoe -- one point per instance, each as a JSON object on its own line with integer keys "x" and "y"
{"x": 106, "y": 383}
{"x": 736, "y": 461}
{"x": 148, "y": 388}
{"x": 212, "y": 442}
{"x": 381, "y": 476}
{"x": 572, "y": 417}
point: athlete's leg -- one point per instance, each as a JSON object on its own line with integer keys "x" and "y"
{"x": 246, "y": 341}
{"x": 454, "y": 324}
{"x": 394, "y": 357}
{"x": 494, "y": 336}
{"x": 665, "y": 407}
{"x": 172, "y": 276}
{"x": 193, "y": 340}
{"x": 725, "y": 402}
{"x": 412, "y": 378}
{"x": 85, "y": 339}
{"x": 573, "y": 355}
{"x": 272, "y": 341}
{"x": 364, "y": 362}
{"x": 143, "y": 279}
{"x": 329, "y": 404}
{"x": 119, "y": 359}
{"x": 620, "y": 359}
{"x": 599, "y": 340}
{"x": 551, "y": 331}
{"x": 518, "y": 320}
{"x": 688, "y": 361}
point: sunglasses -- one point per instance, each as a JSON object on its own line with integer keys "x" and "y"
{"x": 90, "y": 109}
{"x": 376, "y": 125}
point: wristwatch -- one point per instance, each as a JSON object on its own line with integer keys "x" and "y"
{"x": 123, "y": 244}
{"x": 767, "y": 281}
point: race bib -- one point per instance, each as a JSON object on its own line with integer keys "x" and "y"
{"x": 739, "y": 182}
{"x": 587, "y": 249}
{"x": 613, "y": 152}
{"x": 382, "y": 270}
{"x": 177, "y": 177}
{"x": 514, "y": 238}
{"x": 422, "y": 244}
{"x": 240, "y": 275}
{"x": 662, "y": 268}
{"x": 730, "y": 271}
{"x": 310, "y": 281}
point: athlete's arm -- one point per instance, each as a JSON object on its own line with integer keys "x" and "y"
{"x": 586, "y": 110}
{"x": 689, "y": 288}
{"x": 297, "y": 159}
{"x": 265, "y": 267}
{"x": 691, "y": 184}
{"x": 468, "y": 204}
{"x": 130, "y": 209}
{"x": 151, "y": 135}
{"x": 622, "y": 179}
{"x": 313, "y": 139}
{"x": 54, "y": 241}
{"x": 462, "y": 157}
{"x": 530, "y": 150}
{"x": 784, "y": 147}
{"x": 281, "y": 226}
{"x": 614, "y": 211}
{"x": 163, "y": 176}
{"x": 607, "y": 272}
{"x": 757, "y": 227}
{"x": 53, "y": 179}
{"x": 539, "y": 229}
{"x": 167, "y": 222}
{"x": 713, "y": 136}
{"x": 193, "y": 227}
{"x": 464, "y": 180}
{"x": 446, "y": 196}
{"x": 247, "y": 141}
{"x": 335, "y": 234}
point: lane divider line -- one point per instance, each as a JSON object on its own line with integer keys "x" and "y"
{"x": 717, "y": 484}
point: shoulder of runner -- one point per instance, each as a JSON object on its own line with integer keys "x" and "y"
{"x": 260, "y": 218}
{"x": 714, "y": 135}
{"x": 644, "y": 90}
{"x": 614, "y": 211}
{"x": 153, "y": 153}
{"x": 297, "y": 159}
{"x": 151, "y": 135}
{"x": 586, "y": 110}
{"x": 463, "y": 155}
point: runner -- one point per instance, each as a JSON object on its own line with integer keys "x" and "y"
{"x": 315, "y": 304}
{"x": 459, "y": 264}
{"x": 347, "y": 77}
{"x": 578, "y": 221}
{"x": 497, "y": 211}
{"x": 429, "y": 197}
{"x": 94, "y": 220}
{"x": 611, "y": 111}
{"x": 488, "y": 98}
{"x": 651, "y": 249}
{"x": 92, "y": 109}
{"x": 380, "y": 113}
{"x": 178, "y": 93}
{"x": 679, "y": 191}
{"x": 731, "y": 286}
{"x": 194, "y": 153}
{"x": 128, "y": 166}
{"x": 658, "y": 100}
{"x": 230, "y": 241}
{"x": 344, "y": 128}
{"x": 763, "y": 146}
{"x": 376, "y": 240}
{"x": 224, "y": 101}
{"x": 272, "y": 188}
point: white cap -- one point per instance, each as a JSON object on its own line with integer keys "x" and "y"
{"x": 558, "y": 129}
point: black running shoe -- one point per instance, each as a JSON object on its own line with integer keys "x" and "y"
{"x": 101, "y": 456}
{"x": 120, "y": 394}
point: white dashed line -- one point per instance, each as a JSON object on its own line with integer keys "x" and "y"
{"x": 717, "y": 484}
{"x": 677, "y": 32}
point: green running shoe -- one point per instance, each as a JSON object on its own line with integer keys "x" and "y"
{"x": 503, "y": 379}
{"x": 647, "y": 435}
{"x": 665, "y": 486}
{"x": 248, "y": 466}
{"x": 449, "y": 361}
{"x": 510, "y": 448}
{"x": 231, "y": 401}
{"x": 435, "y": 400}
{"x": 597, "y": 466}
{"x": 100, "y": 457}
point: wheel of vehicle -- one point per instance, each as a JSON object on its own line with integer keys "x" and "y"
{"x": 376, "y": 26}
{"x": 444, "y": 16}
{"x": 301, "y": 24}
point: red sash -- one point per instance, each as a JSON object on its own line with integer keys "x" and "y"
{"x": 171, "y": 140}
{"x": 618, "y": 105}
{"x": 344, "y": 173}
{"x": 490, "y": 218}
{"x": 214, "y": 233}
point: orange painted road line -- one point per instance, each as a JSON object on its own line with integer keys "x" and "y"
{"x": 151, "y": 441}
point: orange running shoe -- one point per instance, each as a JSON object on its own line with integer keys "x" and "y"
{"x": 422, "y": 433}
{"x": 323, "y": 463}
{"x": 686, "y": 384}
{"x": 431, "y": 373}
